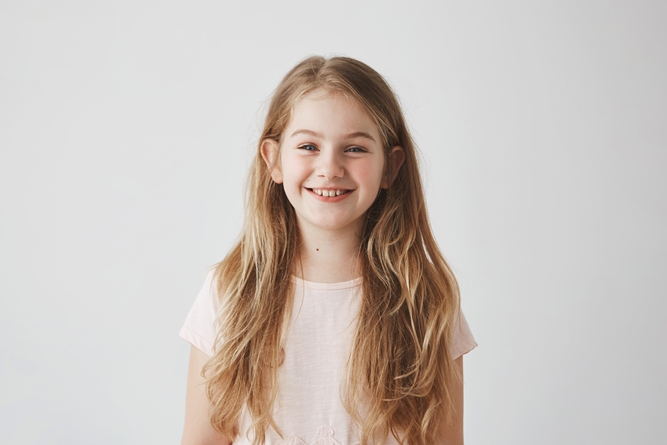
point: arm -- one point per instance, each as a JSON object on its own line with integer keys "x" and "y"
{"x": 452, "y": 433}
{"x": 198, "y": 429}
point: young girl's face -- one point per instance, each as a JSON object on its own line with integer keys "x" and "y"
{"x": 331, "y": 162}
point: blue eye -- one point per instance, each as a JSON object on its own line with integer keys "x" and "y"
{"x": 356, "y": 150}
{"x": 308, "y": 147}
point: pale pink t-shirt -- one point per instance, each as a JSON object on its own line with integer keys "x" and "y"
{"x": 308, "y": 409}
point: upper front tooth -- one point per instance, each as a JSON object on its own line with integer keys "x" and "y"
{"x": 328, "y": 193}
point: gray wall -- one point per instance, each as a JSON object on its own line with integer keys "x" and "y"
{"x": 126, "y": 128}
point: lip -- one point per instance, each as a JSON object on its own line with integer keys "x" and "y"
{"x": 340, "y": 197}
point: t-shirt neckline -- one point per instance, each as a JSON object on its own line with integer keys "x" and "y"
{"x": 330, "y": 286}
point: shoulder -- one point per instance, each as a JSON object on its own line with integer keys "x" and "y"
{"x": 199, "y": 327}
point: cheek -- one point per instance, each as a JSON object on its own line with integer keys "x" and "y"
{"x": 371, "y": 172}
{"x": 293, "y": 167}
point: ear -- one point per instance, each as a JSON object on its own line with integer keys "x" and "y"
{"x": 270, "y": 151}
{"x": 394, "y": 163}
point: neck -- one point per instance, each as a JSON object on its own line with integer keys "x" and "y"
{"x": 328, "y": 256}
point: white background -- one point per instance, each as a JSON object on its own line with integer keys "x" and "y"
{"x": 126, "y": 128}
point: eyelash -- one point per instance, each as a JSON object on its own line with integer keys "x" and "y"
{"x": 355, "y": 148}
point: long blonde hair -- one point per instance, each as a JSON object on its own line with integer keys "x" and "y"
{"x": 400, "y": 375}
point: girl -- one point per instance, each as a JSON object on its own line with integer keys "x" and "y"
{"x": 335, "y": 319}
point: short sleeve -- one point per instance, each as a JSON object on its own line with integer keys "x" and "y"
{"x": 462, "y": 339}
{"x": 199, "y": 327}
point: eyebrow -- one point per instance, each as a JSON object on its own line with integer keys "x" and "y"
{"x": 358, "y": 134}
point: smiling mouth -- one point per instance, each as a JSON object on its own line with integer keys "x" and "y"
{"x": 329, "y": 192}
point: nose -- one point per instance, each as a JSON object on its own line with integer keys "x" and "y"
{"x": 329, "y": 165}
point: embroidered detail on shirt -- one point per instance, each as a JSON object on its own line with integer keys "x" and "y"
{"x": 324, "y": 437}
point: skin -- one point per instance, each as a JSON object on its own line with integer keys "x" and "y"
{"x": 330, "y": 144}
{"x": 197, "y": 429}
{"x": 452, "y": 433}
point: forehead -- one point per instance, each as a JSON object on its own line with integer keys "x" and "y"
{"x": 324, "y": 109}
